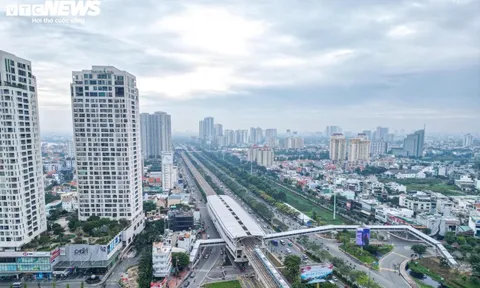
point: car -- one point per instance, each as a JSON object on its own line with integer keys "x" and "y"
{"x": 186, "y": 284}
{"x": 192, "y": 275}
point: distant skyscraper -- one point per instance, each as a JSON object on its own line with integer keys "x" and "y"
{"x": 259, "y": 135}
{"x": 21, "y": 173}
{"x": 271, "y": 137}
{"x": 338, "y": 147}
{"x": 359, "y": 149}
{"x": 413, "y": 144}
{"x": 368, "y": 133}
{"x": 218, "y": 130}
{"x": 242, "y": 136}
{"x": 330, "y": 130}
{"x": 209, "y": 128}
{"x": 468, "y": 140}
{"x": 201, "y": 130}
{"x": 156, "y": 132}
{"x": 106, "y": 123}
{"x": 381, "y": 133}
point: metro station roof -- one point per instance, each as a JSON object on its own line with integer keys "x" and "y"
{"x": 237, "y": 222}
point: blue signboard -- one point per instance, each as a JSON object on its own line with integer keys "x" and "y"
{"x": 363, "y": 237}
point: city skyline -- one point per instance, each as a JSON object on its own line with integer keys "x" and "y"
{"x": 395, "y": 64}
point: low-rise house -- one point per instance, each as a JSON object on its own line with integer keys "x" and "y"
{"x": 69, "y": 201}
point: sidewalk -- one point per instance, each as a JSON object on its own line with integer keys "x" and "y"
{"x": 405, "y": 275}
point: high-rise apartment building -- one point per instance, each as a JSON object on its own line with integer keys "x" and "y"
{"x": 206, "y": 130}
{"x": 230, "y": 138}
{"x": 413, "y": 144}
{"x": 156, "y": 132}
{"x": 70, "y": 149}
{"x": 338, "y": 147}
{"x": 106, "y": 123}
{"x": 468, "y": 140}
{"x": 271, "y": 137}
{"x": 368, "y": 133}
{"x": 21, "y": 174}
{"x": 380, "y": 134}
{"x": 330, "y": 130}
{"x": 378, "y": 148}
{"x": 241, "y": 136}
{"x": 359, "y": 149}
{"x": 201, "y": 130}
{"x": 218, "y": 130}
{"x": 294, "y": 142}
{"x": 169, "y": 172}
{"x": 209, "y": 128}
{"x": 264, "y": 156}
{"x": 259, "y": 135}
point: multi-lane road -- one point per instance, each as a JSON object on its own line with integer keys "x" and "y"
{"x": 388, "y": 272}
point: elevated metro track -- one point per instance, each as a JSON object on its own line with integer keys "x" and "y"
{"x": 266, "y": 278}
{"x": 201, "y": 181}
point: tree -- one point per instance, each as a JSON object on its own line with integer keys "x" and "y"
{"x": 149, "y": 206}
{"x": 292, "y": 267}
{"x": 450, "y": 237}
{"x": 183, "y": 259}
{"x": 68, "y": 286}
{"x": 419, "y": 249}
{"x": 82, "y": 285}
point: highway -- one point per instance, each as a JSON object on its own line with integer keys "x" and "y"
{"x": 258, "y": 266}
{"x": 203, "y": 266}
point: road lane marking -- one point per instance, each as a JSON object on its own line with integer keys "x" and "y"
{"x": 388, "y": 269}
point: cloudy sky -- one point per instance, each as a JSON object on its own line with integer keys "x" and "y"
{"x": 299, "y": 64}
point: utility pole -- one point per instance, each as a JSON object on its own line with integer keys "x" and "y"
{"x": 334, "y": 204}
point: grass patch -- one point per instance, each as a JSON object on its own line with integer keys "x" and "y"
{"x": 434, "y": 185}
{"x": 226, "y": 284}
{"x": 307, "y": 207}
{"x": 361, "y": 254}
{"x": 432, "y": 267}
{"x": 421, "y": 284}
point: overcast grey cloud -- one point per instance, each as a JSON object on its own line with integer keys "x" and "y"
{"x": 284, "y": 64}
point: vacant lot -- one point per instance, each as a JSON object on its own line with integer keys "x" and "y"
{"x": 308, "y": 207}
{"x": 435, "y": 185}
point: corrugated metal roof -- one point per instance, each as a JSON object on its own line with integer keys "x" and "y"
{"x": 233, "y": 217}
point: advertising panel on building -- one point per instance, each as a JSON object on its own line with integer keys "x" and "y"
{"x": 363, "y": 237}
{"x": 315, "y": 274}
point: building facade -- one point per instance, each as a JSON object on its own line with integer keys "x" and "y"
{"x": 169, "y": 177}
{"x": 338, "y": 147}
{"x": 162, "y": 258}
{"x": 156, "y": 132}
{"x": 468, "y": 140}
{"x": 264, "y": 156}
{"x": 413, "y": 144}
{"x": 330, "y": 130}
{"x": 106, "y": 122}
{"x": 359, "y": 149}
{"x": 23, "y": 214}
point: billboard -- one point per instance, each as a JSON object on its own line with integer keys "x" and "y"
{"x": 315, "y": 274}
{"x": 363, "y": 237}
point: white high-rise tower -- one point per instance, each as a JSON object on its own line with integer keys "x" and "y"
{"x": 106, "y": 123}
{"x": 156, "y": 132}
{"x": 21, "y": 175}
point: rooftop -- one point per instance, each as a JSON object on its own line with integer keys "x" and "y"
{"x": 233, "y": 217}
